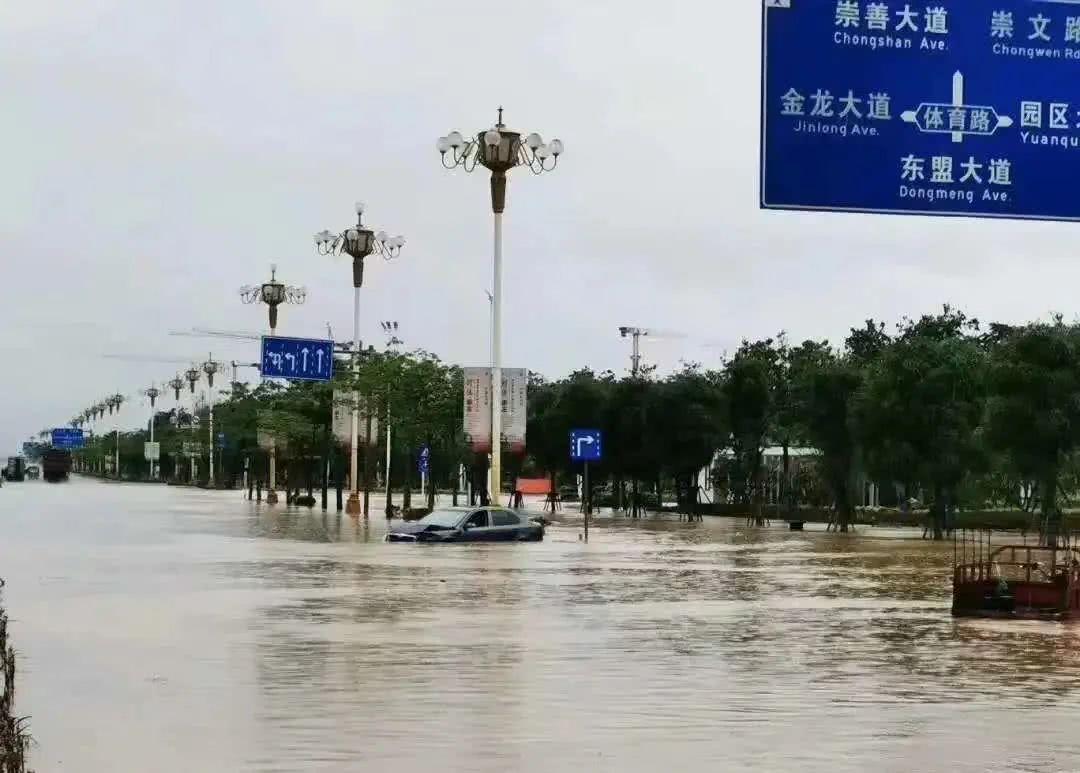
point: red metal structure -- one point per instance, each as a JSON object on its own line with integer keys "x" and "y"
{"x": 1019, "y": 581}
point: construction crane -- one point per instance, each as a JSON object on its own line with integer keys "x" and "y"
{"x": 636, "y": 334}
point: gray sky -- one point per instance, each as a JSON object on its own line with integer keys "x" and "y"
{"x": 158, "y": 155}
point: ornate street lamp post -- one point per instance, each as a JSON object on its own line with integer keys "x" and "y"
{"x": 358, "y": 242}
{"x": 192, "y": 376}
{"x": 273, "y": 294}
{"x": 176, "y": 383}
{"x": 210, "y": 367}
{"x": 153, "y": 393}
{"x": 499, "y": 150}
{"x": 114, "y": 402}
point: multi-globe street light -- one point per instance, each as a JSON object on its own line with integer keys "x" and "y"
{"x": 210, "y": 367}
{"x": 191, "y": 375}
{"x": 152, "y": 393}
{"x": 176, "y": 383}
{"x": 114, "y": 402}
{"x": 358, "y": 242}
{"x": 273, "y": 294}
{"x": 499, "y": 150}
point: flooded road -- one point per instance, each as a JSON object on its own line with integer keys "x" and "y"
{"x": 177, "y": 630}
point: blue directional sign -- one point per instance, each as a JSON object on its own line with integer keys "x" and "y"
{"x": 931, "y": 107}
{"x": 221, "y": 440}
{"x": 423, "y": 463}
{"x": 586, "y": 445}
{"x": 297, "y": 359}
{"x": 67, "y": 438}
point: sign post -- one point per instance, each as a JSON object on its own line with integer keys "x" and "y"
{"x": 586, "y": 445}
{"x": 942, "y": 108}
{"x": 423, "y": 463}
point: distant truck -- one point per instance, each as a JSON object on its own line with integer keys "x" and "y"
{"x": 55, "y": 465}
{"x": 16, "y": 469}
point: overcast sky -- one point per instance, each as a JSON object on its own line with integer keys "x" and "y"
{"x": 158, "y": 155}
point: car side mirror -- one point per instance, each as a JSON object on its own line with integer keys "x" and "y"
{"x": 466, "y": 526}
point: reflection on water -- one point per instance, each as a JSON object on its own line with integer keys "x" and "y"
{"x": 176, "y": 630}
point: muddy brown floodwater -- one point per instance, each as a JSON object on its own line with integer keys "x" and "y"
{"x": 176, "y": 630}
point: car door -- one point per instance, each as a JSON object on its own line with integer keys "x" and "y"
{"x": 505, "y": 524}
{"x": 477, "y": 526}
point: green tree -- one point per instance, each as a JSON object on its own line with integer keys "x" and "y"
{"x": 917, "y": 416}
{"x": 825, "y": 385}
{"x": 1034, "y": 414}
{"x": 749, "y": 381}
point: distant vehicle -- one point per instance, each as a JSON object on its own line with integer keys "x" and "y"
{"x": 482, "y": 524}
{"x": 55, "y": 465}
{"x": 33, "y": 472}
{"x": 16, "y": 468}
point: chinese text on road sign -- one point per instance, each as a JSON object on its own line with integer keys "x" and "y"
{"x": 586, "y": 445}
{"x": 67, "y": 438}
{"x": 297, "y": 359}
{"x": 936, "y": 107}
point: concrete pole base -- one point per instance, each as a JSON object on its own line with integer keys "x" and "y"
{"x": 353, "y": 506}
{"x": 271, "y": 497}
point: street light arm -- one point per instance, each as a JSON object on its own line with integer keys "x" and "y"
{"x": 463, "y": 155}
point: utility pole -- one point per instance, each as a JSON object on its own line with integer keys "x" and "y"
{"x": 210, "y": 367}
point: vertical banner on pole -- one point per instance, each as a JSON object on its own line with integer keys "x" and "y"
{"x": 478, "y": 396}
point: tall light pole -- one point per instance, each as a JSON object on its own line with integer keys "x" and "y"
{"x": 499, "y": 150}
{"x": 390, "y": 327}
{"x": 273, "y": 294}
{"x": 176, "y": 383}
{"x": 114, "y": 402}
{"x": 153, "y": 393}
{"x": 210, "y": 367}
{"x": 192, "y": 376}
{"x": 491, "y": 327}
{"x": 99, "y": 415}
{"x": 358, "y": 242}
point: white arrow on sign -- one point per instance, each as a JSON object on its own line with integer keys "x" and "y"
{"x": 589, "y": 439}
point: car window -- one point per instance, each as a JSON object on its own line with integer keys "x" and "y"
{"x": 445, "y": 518}
{"x": 504, "y": 518}
{"x": 477, "y": 520}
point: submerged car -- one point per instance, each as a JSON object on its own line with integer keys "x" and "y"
{"x": 483, "y": 524}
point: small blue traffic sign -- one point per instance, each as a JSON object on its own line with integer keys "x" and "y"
{"x": 221, "y": 440}
{"x": 586, "y": 445}
{"x": 297, "y": 359}
{"x": 423, "y": 463}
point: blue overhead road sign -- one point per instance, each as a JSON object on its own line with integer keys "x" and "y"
{"x": 67, "y": 438}
{"x": 932, "y": 107}
{"x": 297, "y": 359}
{"x": 586, "y": 445}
